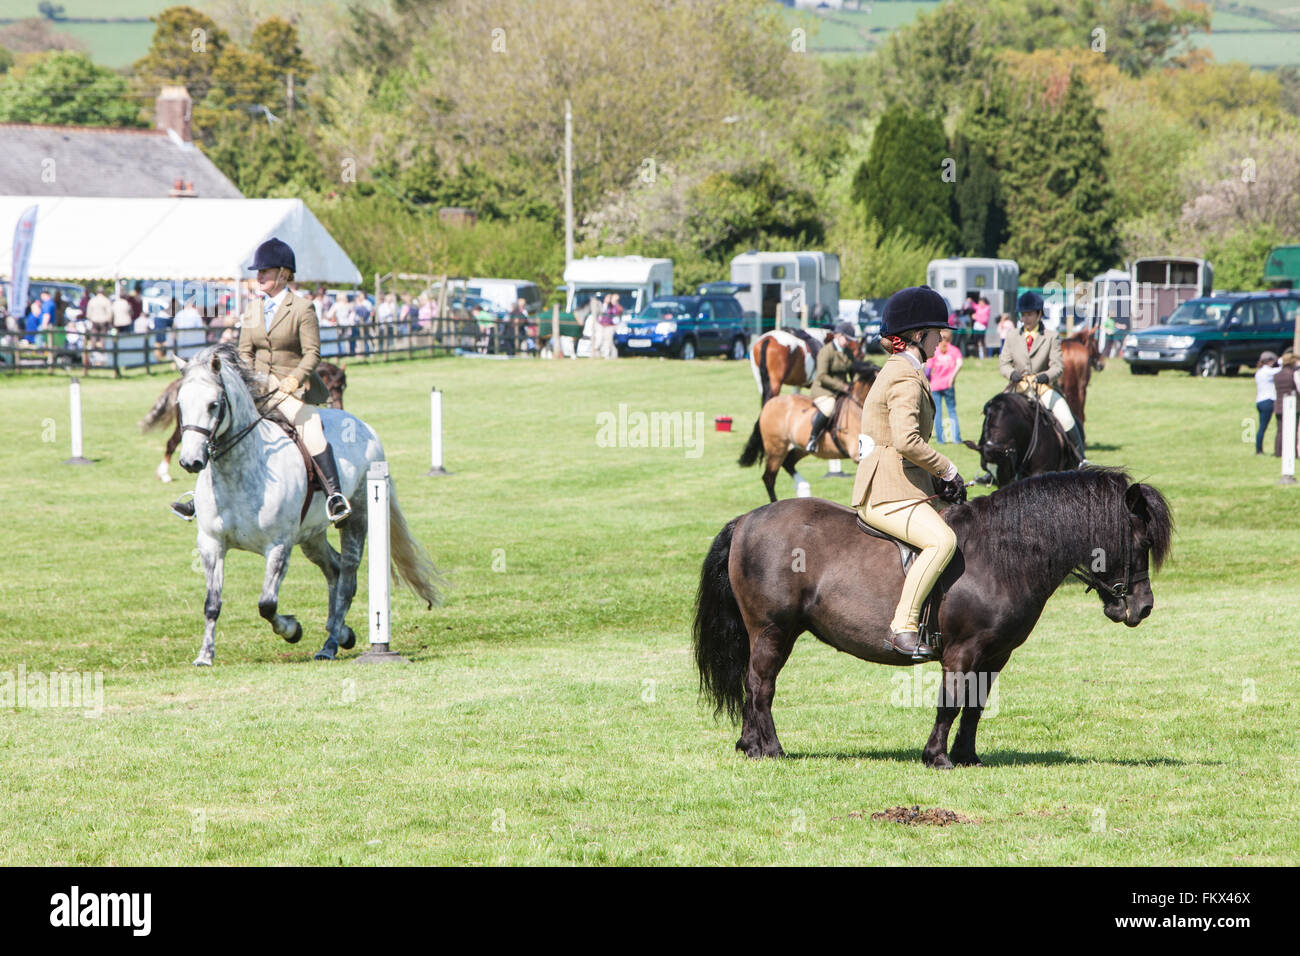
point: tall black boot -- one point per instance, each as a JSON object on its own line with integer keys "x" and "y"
{"x": 1076, "y": 438}
{"x": 818, "y": 426}
{"x": 336, "y": 506}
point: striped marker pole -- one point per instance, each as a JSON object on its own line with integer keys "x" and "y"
{"x": 74, "y": 404}
{"x": 435, "y": 434}
{"x": 834, "y": 469}
{"x": 379, "y": 612}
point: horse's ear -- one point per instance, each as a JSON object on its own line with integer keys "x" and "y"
{"x": 179, "y": 362}
{"x": 216, "y": 364}
{"x": 1135, "y": 500}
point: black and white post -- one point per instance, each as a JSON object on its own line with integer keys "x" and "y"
{"x": 74, "y": 403}
{"x": 1288, "y": 440}
{"x": 380, "y": 610}
{"x": 435, "y": 434}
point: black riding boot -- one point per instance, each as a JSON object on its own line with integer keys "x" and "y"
{"x": 1076, "y": 437}
{"x": 183, "y": 507}
{"x": 336, "y": 506}
{"x": 818, "y": 426}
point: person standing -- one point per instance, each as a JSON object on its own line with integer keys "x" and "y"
{"x": 122, "y": 317}
{"x": 99, "y": 313}
{"x": 1265, "y": 395}
{"x": 1284, "y": 384}
{"x": 1005, "y": 326}
{"x": 980, "y": 323}
{"x": 942, "y": 368}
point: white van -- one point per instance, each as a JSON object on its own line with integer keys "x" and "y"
{"x": 504, "y": 293}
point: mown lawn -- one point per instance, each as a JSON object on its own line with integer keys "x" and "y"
{"x": 549, "y": 713}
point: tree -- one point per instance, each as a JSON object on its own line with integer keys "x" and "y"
{"x": 266, "y": 160}
{"x": 35, "y": 35}
{"x": 276, "y": 41}
{"x": 980, "y": 209}
{"x": 6, "y": 60}
{"x": 66, "y": 88}
{"x": 186, "y": 50}
{"x": 900, "y": 185}
{"x": 1142, "y": 34}
{"x": 748, "y": 207}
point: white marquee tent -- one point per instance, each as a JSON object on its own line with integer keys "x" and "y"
{"x": 83, "y": 238}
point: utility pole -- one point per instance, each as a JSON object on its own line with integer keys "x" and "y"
{"x": 568, "y": 183}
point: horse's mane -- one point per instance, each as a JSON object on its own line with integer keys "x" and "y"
{"x": 1020, "y": 529}
{"x": 865, "y": 369}
{"x": 243, "y": 385}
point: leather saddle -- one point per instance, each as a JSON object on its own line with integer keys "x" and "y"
{"x": 314, "y": 480}
{"x": 930, "y": 609}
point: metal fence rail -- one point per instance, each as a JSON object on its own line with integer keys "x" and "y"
{"x": 376, "y": 341}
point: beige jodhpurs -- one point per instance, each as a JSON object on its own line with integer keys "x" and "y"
{"x": 825, "y": 404}
{"x": 921, "y": 526}
{"x": 1054, "y": 400}
{"x": 305, "y": 418}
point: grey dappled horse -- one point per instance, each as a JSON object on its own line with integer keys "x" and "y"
{"x": 250, "y": 493}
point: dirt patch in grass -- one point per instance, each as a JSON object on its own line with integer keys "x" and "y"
{"x": 915, "y": 816}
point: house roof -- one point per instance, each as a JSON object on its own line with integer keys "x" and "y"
{"x": 103, "y": 161}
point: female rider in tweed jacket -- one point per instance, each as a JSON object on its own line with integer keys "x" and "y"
{"x": 898, "y": 468}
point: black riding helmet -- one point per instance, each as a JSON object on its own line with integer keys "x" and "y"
{"x": 918, "y": 307}
{"x": 273, "y": 254}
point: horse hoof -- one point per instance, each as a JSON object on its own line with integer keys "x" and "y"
{"x": 349, "y": 638}
{"x": 294, "y": 636}
{"x": 940, "y": 762}
{"x": 202, "y": 662}
{"x": 326, "y": 653}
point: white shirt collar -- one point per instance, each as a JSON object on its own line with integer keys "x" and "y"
{"x": 912, "y": 359}
{"x": 278, "y": 298}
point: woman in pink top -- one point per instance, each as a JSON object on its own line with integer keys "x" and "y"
{"x": 942, "y": 367}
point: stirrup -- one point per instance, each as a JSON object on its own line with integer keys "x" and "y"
{"x": 917, "y": 651}
{"x": 183, "y": 507}
{"x": 340, "y": 509}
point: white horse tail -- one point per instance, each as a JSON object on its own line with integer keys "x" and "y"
{"x": 411, "y": 563}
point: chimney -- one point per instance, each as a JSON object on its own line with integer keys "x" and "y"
{"x": 173, "y": 112}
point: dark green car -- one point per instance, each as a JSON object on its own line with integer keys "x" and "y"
{"x": 1216, "y": 334}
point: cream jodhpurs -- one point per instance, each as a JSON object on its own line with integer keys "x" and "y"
{"x": 305, "y": 418}
{"x": 1054, "y": 400}
{"x": 919, "y": 525}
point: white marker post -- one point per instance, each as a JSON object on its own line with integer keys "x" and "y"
{"x": 834, "y": 469}
{"x": 1288, "y": 441}
{"x": 435, "y": 434}
{"x": 380, "y": 605}
{"x": 74, "y": 403}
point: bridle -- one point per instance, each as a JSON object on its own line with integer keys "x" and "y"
{"x": 218, "y": 448}
{"x": 1117, "y": 591}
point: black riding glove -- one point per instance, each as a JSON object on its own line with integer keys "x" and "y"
{"x": 1041, "y": 378}
{"x": 1016, "y": 377}
{"x": 953, "y": 490}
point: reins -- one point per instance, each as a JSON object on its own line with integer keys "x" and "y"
{"x": 217, "y": 449}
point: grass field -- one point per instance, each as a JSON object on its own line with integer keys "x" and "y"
{"x": 549, "y": 713}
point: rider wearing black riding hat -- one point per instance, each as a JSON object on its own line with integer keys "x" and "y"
{"x": 279, "y": 337}
{"x": 1031, "y": 359}
{"x": 834, "y": 364}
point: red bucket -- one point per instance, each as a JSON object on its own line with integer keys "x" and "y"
{"x": 722, "y": 423}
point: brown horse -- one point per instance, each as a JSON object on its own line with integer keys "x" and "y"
{"x": 1015, "y": 548}
{"x": 788, "y": 357}
{"x": 163, "y": 412}
{"x": 1080, "y": 355}
{"x": 785, "y": 422}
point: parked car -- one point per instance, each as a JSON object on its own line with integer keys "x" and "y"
{"x": 685, "y": 326}
{"x": 504, "y": 293}
{"x": 1215, "y": 334}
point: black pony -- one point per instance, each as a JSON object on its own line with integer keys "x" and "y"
{"x": 1015, "y": 547}
{"x": 1021, "y": 437}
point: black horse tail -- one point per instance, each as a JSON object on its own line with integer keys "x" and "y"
{"x": 764, "y": 380}
{"x": 754, "y": 447}
{"x": 721, "y": 641}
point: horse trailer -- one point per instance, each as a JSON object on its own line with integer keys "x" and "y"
{"x": 797, "y": 284}
{"x": 957, "y": 279}
{"x": 634, "y": 279}
{"x": 1160, "y": 284}
{"x": 1282, "y": 268}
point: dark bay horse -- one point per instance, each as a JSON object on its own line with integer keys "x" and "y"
{"x": 1015, "y": 547}
{"x": 1020, "y": 437}
{"x": 785, "y": 423}
{"x": 1080, "y": 356}
{"x": 788, "y": 356}
{"x": 163, "y": 412}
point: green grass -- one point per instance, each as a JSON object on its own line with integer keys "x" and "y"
{"x": 87, "y": 8}
{"x": 1272, "y": 48}
{"x": 549, "y": 712}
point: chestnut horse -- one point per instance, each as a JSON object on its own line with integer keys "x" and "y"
{"x": 787, "y": 357}
{"x": 1015, "y": 548}
{"x": 785, "y": 422}
{"x": 1079, "y": 355}
{"x": 163, "y": 412}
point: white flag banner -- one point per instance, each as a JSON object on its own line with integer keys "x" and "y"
{"x": 23, "y": 234}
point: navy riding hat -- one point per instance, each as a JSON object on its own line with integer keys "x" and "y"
{"x": 918, "y": 307}
{"x": 845, "y": 328}
{"x": 273, "y": 254}
{"x": 1029, "y": 302}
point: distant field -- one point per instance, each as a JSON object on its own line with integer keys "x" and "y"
{"x": 1272, "y": 48}
{"x": 112, "y": 44}
{"x": 87, "y": 8}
